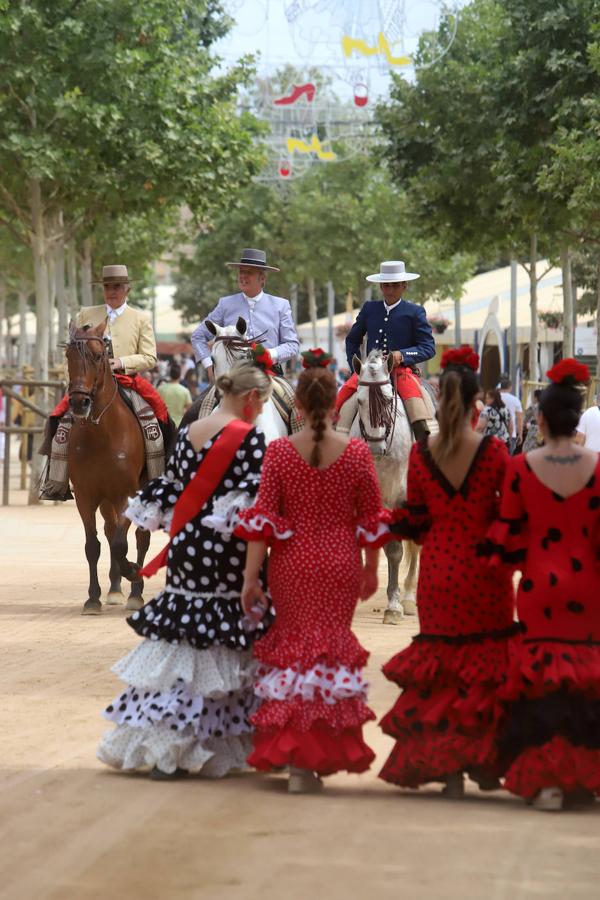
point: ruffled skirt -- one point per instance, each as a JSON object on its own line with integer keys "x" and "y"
{"x": 551, "y": 737}
{"x": 313, "y": 702}
{"x": 446, "y": 719}
{"x": 182, "y": 708}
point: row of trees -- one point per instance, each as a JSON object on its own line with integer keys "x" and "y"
{"x": 111, "y": 122}
{"x": 498, "y": 143}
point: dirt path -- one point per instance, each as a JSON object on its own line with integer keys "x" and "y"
{"x": 71, "y": 829}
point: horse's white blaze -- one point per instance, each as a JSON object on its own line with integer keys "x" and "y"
{"x": 269, "y": 421}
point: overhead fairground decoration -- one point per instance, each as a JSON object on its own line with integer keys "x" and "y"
{"x": 323, "y": 64}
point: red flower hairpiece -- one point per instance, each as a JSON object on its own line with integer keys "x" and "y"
{"x": 461, "y": 356}
{"x": 569, "y": 371}
{"x": 316, "y": 358}
{"x": 262, "y": 358}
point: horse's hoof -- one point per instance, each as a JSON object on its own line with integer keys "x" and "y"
{"x": 392, "y": 616}
{"x": 409, "y": 607}
{"x": 115, "y": 598}
{"x": 91, "y": 608}
{"x": 134, "y": 603}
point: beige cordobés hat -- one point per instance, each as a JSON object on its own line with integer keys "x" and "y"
{"x": 114, "y": 275}
{"x": 392, "y": 270}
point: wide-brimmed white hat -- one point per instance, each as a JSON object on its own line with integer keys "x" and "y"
{"x": 393, "y": 270}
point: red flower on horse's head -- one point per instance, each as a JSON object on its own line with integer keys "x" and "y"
{"x": 316, "y": 358}
{"x": 461, "y": 356}
{"x": 569, "y": 371}
{"x": 262, "y": 358}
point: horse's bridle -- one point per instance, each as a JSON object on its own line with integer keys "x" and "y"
{"x": 385, "y": 409}
{"x": 91, "y": 395}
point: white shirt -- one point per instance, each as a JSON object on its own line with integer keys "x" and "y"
{"x": 514, "y": 405}
{"x": 589, "y": 425}
{"x": 113, "y": 313}
{"x": 388, "y": 309}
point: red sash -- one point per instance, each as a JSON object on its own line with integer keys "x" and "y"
{"x": 208, "y": 475}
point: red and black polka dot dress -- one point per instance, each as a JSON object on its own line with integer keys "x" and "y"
{"x": 310, "y": 662}
{"x": 445, "y": 720}
{"x": 552, "y": 733}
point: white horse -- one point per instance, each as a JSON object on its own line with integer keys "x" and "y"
{"x": 383, "y": 424}
{"x": 230, "y": 344}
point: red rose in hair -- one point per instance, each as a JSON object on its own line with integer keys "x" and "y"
{"x": 569, "y": 371}
{"x": 461, "y": 356}
{"x": 316, "y": 358}
{"x": 262, "y": 358}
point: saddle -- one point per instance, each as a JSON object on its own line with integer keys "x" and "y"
{"x": 283, "y": 398}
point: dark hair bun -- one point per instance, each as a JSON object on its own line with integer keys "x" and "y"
{"x": 561, "y": 406}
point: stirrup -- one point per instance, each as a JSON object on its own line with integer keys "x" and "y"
{"x": 56, "y": 492}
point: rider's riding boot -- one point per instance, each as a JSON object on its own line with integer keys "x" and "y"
{"x": 169, "y": 433}
{"x": 347, "y": 415}
{"x": 420, "y": 429}
{"x": 52, "y": 491}
{"x": 49, "y": 432}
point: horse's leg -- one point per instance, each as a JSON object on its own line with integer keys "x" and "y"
{"x": 135, "y": 599}
{"x": 87, "y": 511}
{"x": 119, "y": 548}
{"x": 394, "y": 613}
{"x": 409, "y": 604}
{"x": 111, "y": 517}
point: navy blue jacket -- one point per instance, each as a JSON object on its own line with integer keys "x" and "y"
{"x": 404, "y": 328}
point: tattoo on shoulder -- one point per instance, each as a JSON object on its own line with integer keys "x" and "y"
{"x": 563, "y": 460}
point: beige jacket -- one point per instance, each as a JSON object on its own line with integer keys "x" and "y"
{"x": 132, "y": 337}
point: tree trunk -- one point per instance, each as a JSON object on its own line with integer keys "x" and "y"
{"x": 40, "y": 351}
{"x": 598, "y": 326}
{"x": 533, "y": 305}
{"x": 22, "y": 345}
{"x": 72, "y": 279}
{"x": 51, "y": 305}
{"x": 565, "y": 263}
{"x": 312, "y": 308}
{"x": 60, "y": 286}
{"x": 3, "y": 319}
{"x": 86, "y": 273}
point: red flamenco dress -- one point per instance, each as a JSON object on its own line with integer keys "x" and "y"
{"x": 552, "y": 732}
{"x": 309, "y": 676}
{"x": 445, "y": 721}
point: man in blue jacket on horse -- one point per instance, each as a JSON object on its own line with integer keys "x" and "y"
{"x": 397, "y": 327}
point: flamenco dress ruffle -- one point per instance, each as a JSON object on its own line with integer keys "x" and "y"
{"x": 551, "y": 735}
{"x": 189, "y": 692}
{"x": 309, "y": 680}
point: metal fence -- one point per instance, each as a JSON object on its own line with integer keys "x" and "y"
{"x": 11, "y": 397}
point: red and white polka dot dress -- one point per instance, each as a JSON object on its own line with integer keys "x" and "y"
{"x": 310, "y": 661}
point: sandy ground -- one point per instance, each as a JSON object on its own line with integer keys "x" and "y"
{"x": 71, "y": 829}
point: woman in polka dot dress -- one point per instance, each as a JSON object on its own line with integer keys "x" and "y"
{"x": 189, "y": 694}
{"x": 549, "y": 528}
{"x": 318, "y": 500}
{"x": 445, "y": 720}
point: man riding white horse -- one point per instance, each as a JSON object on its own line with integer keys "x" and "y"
{"x": 132, "y": 349}
{"x": 398, "y": 328}
{"x": 268, "y": 318}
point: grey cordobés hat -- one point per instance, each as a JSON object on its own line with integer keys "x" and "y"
{"x": 256, "y": 258}
{"x": 392, "y": 270}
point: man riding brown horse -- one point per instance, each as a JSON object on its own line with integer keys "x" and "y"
{"x": 131, "y": 349}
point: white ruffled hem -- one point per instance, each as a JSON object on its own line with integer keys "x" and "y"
{"x": 142, "y": 748}
{"x": 225, "y": 514}
{"x": 369, "y": 537}
{"x": 258, "y": 522}
{"x": 320, "y": 682}
{"x": 148, "y": 515}
{"x": 214, "y": 672}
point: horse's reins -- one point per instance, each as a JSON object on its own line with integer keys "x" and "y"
{"x": 382, "y": 412}
{"x": 233, "y": 342}
{"x": 91, "y": 394}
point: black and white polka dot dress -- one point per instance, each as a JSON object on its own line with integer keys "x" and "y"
{"x": 189, "y": 690}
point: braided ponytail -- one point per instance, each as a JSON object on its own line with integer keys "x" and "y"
{"x": 316, "y": 393}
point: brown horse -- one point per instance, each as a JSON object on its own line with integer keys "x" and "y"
{"x": 106, "y": 461}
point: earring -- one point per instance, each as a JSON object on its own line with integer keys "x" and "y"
{"x": 247, "y": 412}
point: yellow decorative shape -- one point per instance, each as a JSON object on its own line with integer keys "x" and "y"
{"x": 349, "y": 44}
{"x": 296, "y": 144}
